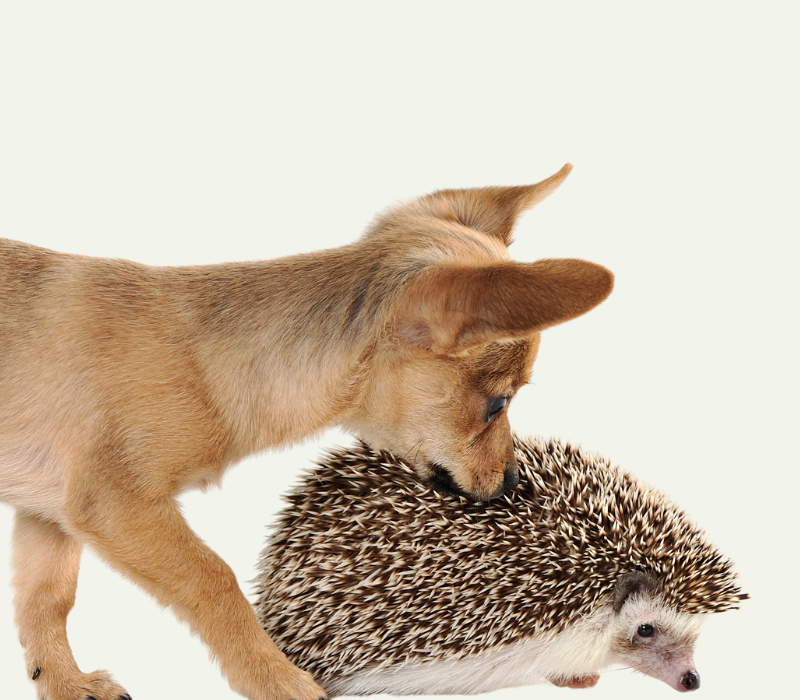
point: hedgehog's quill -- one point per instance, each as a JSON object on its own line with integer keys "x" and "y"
{"x": 377, "y": 584}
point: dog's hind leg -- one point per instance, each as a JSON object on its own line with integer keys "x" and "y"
{"x": 147, "y": 540}
{"x": 45, "y": 562}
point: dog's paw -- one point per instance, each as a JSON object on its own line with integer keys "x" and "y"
{"x": 287, "y": 682}
{"x": 80, "y": 686}
{"x": 297, "y": 686}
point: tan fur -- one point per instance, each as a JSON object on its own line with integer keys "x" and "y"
{"x": 122, "y": 385}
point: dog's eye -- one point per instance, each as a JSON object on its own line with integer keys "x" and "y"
{"x": 646, "y": 630}
{"x": 498, "y": 404}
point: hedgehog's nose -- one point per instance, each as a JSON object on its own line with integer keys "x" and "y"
{"x": 691, "y": 680}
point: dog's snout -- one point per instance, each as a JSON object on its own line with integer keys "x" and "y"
{"x": 691, "y": 680}
{"x": 442, "y": 481}
{"x": 510, "y": 478}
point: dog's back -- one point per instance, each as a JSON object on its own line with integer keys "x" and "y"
{"x": 122, "y": 385}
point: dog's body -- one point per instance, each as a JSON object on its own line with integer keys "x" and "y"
{"x": 122, "y": 385}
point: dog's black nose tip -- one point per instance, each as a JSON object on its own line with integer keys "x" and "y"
{"x": 691, "y": 680}
{"x": 510, "y": 478}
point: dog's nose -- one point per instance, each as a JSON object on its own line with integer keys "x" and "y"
{"x": 691, "y": 680}
{"x": 510, "y": 478}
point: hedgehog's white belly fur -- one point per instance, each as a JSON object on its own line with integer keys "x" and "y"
{"x": 580, "y": 650}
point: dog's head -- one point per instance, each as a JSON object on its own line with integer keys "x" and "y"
{"x": 463, "y": 333}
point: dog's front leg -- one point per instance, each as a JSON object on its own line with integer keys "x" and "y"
{"x": 150, "y": 542}
{"x": 45, "y": 563}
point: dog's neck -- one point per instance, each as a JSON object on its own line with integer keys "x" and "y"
{"x": 304, "y": 329}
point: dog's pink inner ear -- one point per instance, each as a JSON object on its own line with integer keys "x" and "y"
{"x": 492, "y": 210}
{"x": 450, "y": 309}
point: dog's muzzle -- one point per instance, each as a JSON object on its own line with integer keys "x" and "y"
{"x": 442, "y": 481}
{"x": 510, "y": 478}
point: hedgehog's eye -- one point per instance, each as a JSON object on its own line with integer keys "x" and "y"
{"x": 498, "y": 404}
{"x": 646, "y": 630}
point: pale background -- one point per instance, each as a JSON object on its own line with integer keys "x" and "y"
{"x": 197, "y": 132}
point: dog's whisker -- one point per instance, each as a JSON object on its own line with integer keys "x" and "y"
{"x": 417, "y": 445}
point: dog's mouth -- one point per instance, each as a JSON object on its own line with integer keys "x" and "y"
{"x": 439, "y": 479}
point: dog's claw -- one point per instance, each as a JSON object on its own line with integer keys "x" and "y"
{"x": 36, "y": 673}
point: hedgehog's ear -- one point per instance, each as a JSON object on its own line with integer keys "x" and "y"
{"x": 491, "y": 210}
{"x": 630, "y": 583}
{"x": 452, "y": 308}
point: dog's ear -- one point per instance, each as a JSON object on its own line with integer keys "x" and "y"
{"x": 492, "y": 210}
{"x": 449, "y": 309}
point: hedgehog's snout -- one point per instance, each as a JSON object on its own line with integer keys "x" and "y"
{"x": 690, "y": 680}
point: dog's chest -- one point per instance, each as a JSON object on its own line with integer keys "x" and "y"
{"x": 30, "y": 479}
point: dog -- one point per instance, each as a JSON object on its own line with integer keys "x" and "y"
{"x": 123, "y": 385}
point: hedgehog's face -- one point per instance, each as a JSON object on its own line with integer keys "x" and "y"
{"x": 655, "y": 639}
{"x": 446, "y": 415}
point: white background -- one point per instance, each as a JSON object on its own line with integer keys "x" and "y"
{"x": 197, "y": 132}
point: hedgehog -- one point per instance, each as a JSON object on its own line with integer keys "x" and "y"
{"x": 376, "y": 583}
